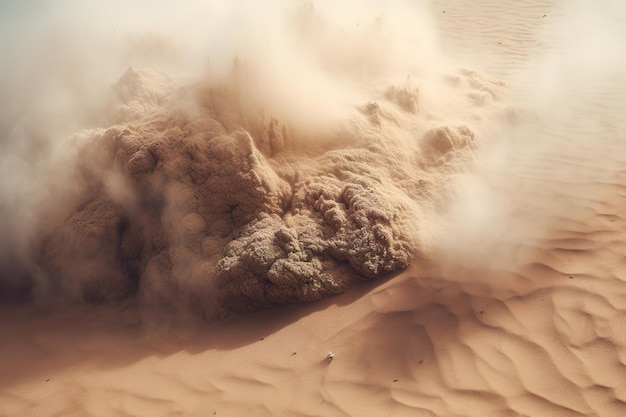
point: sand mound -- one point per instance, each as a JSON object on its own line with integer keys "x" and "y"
{"x": 193, "y": 199}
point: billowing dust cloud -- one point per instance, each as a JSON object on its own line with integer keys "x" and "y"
{"x": 246, "y": 157}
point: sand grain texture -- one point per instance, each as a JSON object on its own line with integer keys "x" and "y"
{"x": 509, "y": 301}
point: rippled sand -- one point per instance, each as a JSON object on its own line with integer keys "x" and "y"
{"x": 502, "y": 189}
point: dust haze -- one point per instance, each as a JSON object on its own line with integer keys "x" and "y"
{"x": 517, "y": 192}
{"x": 219, "y": 158}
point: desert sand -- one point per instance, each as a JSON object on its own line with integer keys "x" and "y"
{"x": 457, "y": 241}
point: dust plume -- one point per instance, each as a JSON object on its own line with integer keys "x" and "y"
{"x": 247, "y": 156}
{"x": 554, "y": 141}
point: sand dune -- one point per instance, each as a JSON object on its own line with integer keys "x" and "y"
{"x": 512, "y": 303}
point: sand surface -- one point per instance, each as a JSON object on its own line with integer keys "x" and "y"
{"x": 517, "y": 306}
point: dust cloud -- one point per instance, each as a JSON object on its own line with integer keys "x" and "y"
{"x": 556, "y": 139}
{"x": 220, "y": 158}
